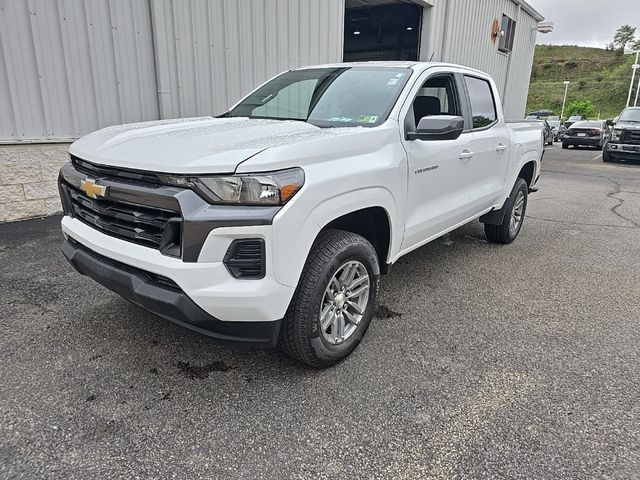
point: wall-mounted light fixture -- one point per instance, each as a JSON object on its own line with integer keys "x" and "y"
{"x": 544, "y": 27}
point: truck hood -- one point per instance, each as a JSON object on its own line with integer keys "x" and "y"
{"x": 627, "y": 126}
{"x": 192, "y": 145}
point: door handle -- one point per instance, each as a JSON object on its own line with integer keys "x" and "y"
{"x": 501, "y": 147}
{"x": 465, "y": 155}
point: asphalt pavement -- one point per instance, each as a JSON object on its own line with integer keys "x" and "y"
{"x": 484, "y": 361}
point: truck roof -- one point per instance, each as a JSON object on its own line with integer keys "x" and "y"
{"x": 417, "y": 66}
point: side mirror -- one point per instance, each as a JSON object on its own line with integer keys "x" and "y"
{"x": 438, "y": 127}
{"x": 610, "y": 122}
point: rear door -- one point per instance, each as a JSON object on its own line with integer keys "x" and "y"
{"x": 490, "y": 144}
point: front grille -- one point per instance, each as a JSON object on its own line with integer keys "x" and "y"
{"x": 143, "y": 225}
{"x": 128, "y": 176}
{"x": 245, "y": 259}
{"x": 632, "y": 137}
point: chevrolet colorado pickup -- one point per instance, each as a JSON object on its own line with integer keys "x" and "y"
{"x": 623, "y": 141}
{"x": 271, "y": 223}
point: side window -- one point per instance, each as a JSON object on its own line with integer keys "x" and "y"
{"x": 437, "y": 96}
{"x": 483, "y": 106}
{"x": 508, "y": 27}
{"x": 290, "y": 102}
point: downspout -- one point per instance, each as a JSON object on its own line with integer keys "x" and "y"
{"x": 163, "y": 94}
{"x": 445, "y": 29}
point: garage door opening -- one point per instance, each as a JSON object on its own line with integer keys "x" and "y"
{"x": 385, "y": 32}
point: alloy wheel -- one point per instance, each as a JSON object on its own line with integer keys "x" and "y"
{"x": 344, "y": 302}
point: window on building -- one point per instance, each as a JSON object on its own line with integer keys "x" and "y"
{"x": 483, "y": 106}
{"x": 508, "y": 27}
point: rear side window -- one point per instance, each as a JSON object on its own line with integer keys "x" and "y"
{"x": 483, "y": 106}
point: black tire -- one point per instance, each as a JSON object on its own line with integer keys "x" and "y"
{"x": 301, "y": 336}
{"x": 606, "y": 156}
{"x": 503, "y": 233}
{"x": 564, "y": 145}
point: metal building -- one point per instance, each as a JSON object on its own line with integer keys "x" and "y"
{"x": 68, "y": 67}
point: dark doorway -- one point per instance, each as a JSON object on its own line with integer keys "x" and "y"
{"x": 388, "y": 32}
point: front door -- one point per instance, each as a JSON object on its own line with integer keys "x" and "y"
{"x": 439, "y": 170}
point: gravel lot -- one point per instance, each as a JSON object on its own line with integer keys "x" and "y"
{"x": 485, "y": 361}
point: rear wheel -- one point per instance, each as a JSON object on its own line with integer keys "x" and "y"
{"x": 334, "y": 301}
{"x": 515, "y": 208}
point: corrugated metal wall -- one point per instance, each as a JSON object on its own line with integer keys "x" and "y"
{"x": 68, "y": 67}
{"x": 225, "y": 48}
{"x": 459, "y": 31}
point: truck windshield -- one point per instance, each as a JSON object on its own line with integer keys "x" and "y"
{"x": 327, "y": 97}
{"x": 630, "y": 116}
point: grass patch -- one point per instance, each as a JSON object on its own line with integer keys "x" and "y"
{"x": 595, "y": 74}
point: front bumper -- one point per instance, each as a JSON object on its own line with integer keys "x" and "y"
{"x": 163, "y": 297}
{"x": 207, "y": 282}
{"x": 624, "y": 151}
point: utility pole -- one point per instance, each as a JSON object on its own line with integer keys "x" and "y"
{"x": 635, "y": 66}
{"x": 564, "y": 100}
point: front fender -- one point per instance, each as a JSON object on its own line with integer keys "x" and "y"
{"x": 296, "y": 230}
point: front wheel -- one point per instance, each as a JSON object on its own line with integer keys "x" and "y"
{"x": 565, "y": 146}
{"x": 514, "y": 211}
{"x": 606, "y": 156}
{"x": 334, "y": 302}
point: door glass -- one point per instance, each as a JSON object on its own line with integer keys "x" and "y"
{"x": 436, "y": 97}
{"x": 483, "y": 107}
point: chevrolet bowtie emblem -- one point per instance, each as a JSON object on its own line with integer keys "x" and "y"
{"x": 92, "y": 190}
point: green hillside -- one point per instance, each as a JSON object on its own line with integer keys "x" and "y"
{"x": 601, "y": 76}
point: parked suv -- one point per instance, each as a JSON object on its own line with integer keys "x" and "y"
{"x": 272, "y": 223}
{"x": 623, "y": 141}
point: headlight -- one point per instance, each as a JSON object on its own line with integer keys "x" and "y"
{"x": 272, "y": 188}
{"x": 615, "y": 134}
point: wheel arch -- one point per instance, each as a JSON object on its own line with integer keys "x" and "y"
{"x": 372, "y": 223}
{"x": 527, "y": 173}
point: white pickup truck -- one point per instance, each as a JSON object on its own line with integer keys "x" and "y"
{"x": 271, "y": 223}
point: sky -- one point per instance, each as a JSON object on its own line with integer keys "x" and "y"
{"x": 588, "y": 23}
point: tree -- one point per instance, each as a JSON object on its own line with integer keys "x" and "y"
{"x": 624, "y": 37}
{"x": 636, "y": 45}
{"x": 580, "y": 107}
